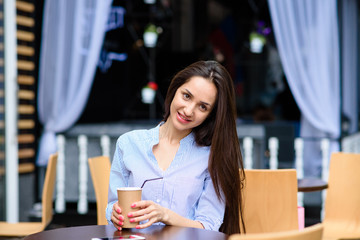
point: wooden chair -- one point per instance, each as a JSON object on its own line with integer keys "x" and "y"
{"x": 342, "y": 203}
{"x": 26, "y": 228}
{"x": 270, "y": 200}
{"x": 100, "y": 174}
{"x": 314, "y": 232}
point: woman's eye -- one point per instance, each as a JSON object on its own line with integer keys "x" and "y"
{"x": 186, "y": 96}
{"x": 203, "y": 107}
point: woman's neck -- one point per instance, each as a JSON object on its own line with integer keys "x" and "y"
{"x": 170, "y": 134}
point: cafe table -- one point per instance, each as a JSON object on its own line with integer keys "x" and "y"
{"x": 311, "y": 184}
{"x": 154, "y": 232}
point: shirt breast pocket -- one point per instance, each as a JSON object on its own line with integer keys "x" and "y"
{"x": 187, "y": 192}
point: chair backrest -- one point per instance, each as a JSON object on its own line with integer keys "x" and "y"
{"x": 342, "y": 203}
{"x": 314, "y": 232}
{"x": 48, "y": 190}
{"x": 270, "y": 200}
{"x": 100, "y": 174}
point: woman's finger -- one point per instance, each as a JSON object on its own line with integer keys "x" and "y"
{"x": 141, "y": 212}
{"x": 142, "y": 204}
{"x": 117, "y": 223}
{"x": 116, "y": 208}
{"x": 117, "y": 212}
{"x": 147, "y": 224}
{"x": 116, "y": 218}
{"x": 145, "y": 211}
{"x": 142, "y": 217}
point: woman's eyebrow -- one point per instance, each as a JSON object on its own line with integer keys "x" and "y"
{"x": 188, "y": 91}
{"x": 205, "y": 103}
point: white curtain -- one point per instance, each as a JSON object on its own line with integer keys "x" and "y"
{"x": 350, "y": 62}
{"x": 306, "y": 33}
{"x": 72, "y": 37}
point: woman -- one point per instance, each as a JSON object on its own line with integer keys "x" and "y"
{"x": 196, "y": 152}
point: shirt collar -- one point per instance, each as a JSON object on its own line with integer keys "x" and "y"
{"x": 189, "y": 139}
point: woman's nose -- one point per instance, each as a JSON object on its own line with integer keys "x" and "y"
{"x": 189, "y": 110}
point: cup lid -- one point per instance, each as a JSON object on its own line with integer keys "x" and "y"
{"x": 128, "y": 188}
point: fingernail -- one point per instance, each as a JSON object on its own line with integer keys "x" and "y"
{"x": 121, "y": 223}
{"x": 121, "y": 218}
{"x": 119, "y": 228}
{"x": 130, "y": 215}
{"x": 137, "y": 227}
{"x": 133, "y": 205}
{"x": 132, "y": 220}
{"x": 118, "y": 210}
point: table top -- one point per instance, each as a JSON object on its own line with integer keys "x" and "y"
{"x": 311, "y": 184}
{"x": 154, "y": 232}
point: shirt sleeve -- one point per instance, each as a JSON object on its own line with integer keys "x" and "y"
{"x": 118, "y": 178}
{"x": 211, "y": 209}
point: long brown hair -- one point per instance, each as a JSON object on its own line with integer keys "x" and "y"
{"x": 219, "y": 132}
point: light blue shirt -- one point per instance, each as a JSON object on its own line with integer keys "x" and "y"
{"x": 186, "y": 187}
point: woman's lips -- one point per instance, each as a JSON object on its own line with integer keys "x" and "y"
{"x": 182, "y": 118}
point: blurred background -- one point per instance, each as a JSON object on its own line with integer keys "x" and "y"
{"x": 83, "y": 67}
{"x": 190, "y": 31}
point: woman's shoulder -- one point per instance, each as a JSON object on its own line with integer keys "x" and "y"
{"x": 199, "y": 150}
{"x": 203, "y": 149}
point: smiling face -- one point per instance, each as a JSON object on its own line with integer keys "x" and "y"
{"x": 192, "y": 103}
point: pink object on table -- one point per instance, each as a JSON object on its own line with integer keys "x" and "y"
{"x": 301, "y": 217}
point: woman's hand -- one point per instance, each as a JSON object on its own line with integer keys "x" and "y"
{"x": 148, "y": 211}
{"x": 116, "y": 217}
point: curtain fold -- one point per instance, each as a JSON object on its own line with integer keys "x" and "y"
{"x": 306, "y": 33}
{"x": 350, "y": 61}
{"x": 72, "y": 37}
